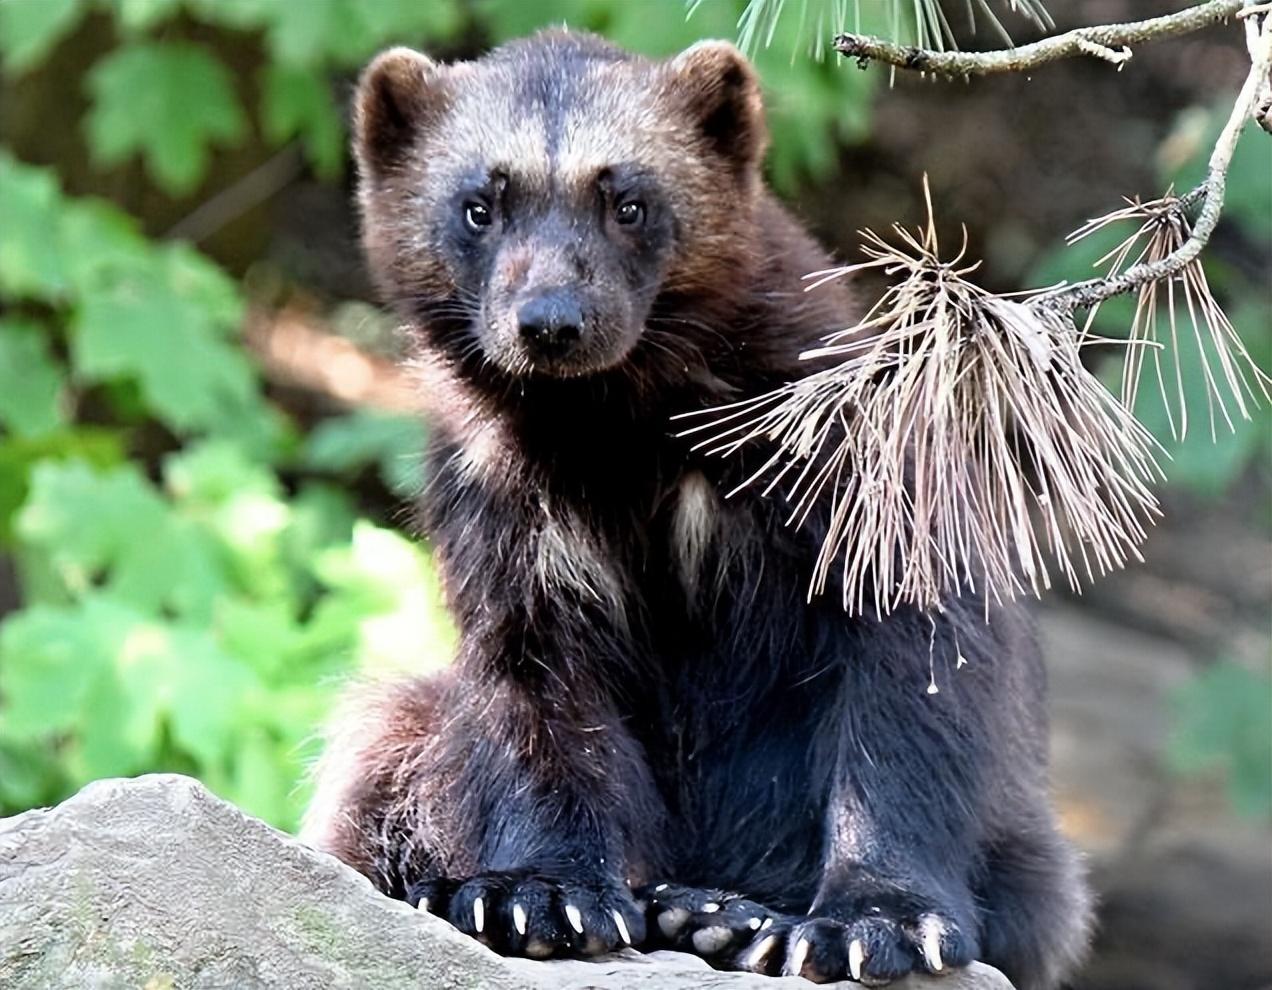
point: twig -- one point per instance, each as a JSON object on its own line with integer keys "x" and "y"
{"x": 1210, "y": 194}
{"x": 258, "y": 185}
{"x": 1105, "y": 41}
{"x": 1263, "y": 100}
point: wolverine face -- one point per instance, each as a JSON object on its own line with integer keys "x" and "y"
{"x": 527, "y": 210}
{"x": 560, "y": 267}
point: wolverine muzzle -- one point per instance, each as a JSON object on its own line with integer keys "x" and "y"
{"x": 551, "y": 323}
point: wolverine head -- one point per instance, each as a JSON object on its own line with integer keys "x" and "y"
{"x": 527, "y": 210}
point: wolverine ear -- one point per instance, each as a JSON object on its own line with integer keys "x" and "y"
{"x": 401, "y": 93}
{"x": 720, "y": 89}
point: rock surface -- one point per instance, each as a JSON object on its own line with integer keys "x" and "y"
{"x": 154, "y": 884}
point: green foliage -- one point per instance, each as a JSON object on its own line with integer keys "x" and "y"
{"x": 393, "y": 444}
{"x": 29, "y": 28}
{"x": 30, "y": 259}
{"x": 31, "y": 383}
{"x": 195, "y": 626}
{"x": 297, "y": 103}
{"x": 166, "y": 323}
{"x": 198, "y": 624}
{"x": 1224, "y": 722}
{"x": 142, "y": 92}
{"x": 160, "y": 317}
{"x": 142, "y": 99}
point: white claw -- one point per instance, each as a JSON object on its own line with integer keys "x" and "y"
{"x": 479, "y": 915}
{"x": 932, "y": 945}
{"x": 423, "y": 904}
{"x": 660, "y": 887}
{"x": 856, "y": 956}
{"x": 754, "y": 924}
{"x": 621, "y": 925}
{"x": 756, "y": 954}
{"x": 711, "y": 907}
{"x": 519, "y": 918}
{"x": 768, "y": 923}
{"x": 796, "y": 961}
{"x": 574, "y": 917}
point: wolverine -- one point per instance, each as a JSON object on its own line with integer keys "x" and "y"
{"x": 650, "y": 736}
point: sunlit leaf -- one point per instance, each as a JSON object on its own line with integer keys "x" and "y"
{"x": 142, "y": 15}
{"x": 30, "y": 253}
{"x": 97, "y": 240}
{"x": 412, "y": 23}
{"x": 297, "y": 102}
{"x": 111, "y": 530}
{"x": 166, "y": 324}
{"x": 387, "y": 579}
{"x": 31, "y": 382}
{"x": 30, "y": 28}
{"x": 98, "y": 446}
{"x": 394, "y": 444}
{"x": 318, "y": 30}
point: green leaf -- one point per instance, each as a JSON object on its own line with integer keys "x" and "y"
{"x": 296, "y": 101}
{"x": 98, "y": 240}
{"x": 262, "y": 779}
{"x": 165, "y": 324}
{"x": 51, "y": 659}
{"x": 208, "y": 691}
{"x": 31, "y": 382}
{"x": 31, "y": 263}
{"x": 1224, "y": 720}
{"x": 210, "y": 475}
{"x": 315, "y": 31}
{"x": 240, "y": 506}
{"x": 142, "y": 15}
{"x": 412, "y": 23}
{"x": 112, "y": 678}
{"x": 347, "y": 444}
{"x": 168, "y": 102}
{"x": 240, "y": 15}
{"x": 19, "y": 454}
{"x": 385, "y": 583}
{"x": 30, "y": 28}
{"x": 29, "y": 775}
{"x": 53, "y": 245}
{"x": 111, "y": 530}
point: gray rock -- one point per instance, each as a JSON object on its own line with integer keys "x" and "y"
{"x": 154, "y": 884}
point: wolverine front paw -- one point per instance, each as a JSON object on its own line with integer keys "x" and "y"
{"x": 871, "y": 941}
{"x": 709, "y": 923}
{"x": 529, "y": 914}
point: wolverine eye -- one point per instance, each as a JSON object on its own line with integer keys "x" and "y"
{"x": 477, "y": 216}
{"x": 630, "y": 213}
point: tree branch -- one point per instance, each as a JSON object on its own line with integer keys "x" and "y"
{"x": 1105, "y": 41}
{"x": 1210, "y": 194}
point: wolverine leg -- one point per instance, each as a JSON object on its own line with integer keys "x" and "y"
{"x": 366, "y": 809}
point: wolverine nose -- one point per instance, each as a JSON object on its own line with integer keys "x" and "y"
{"x": 551, "y": 322}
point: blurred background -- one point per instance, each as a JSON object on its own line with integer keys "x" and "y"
{"x": 208, "y": 457}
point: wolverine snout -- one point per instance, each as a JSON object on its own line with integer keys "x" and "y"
{"x": 550, "y": 322}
